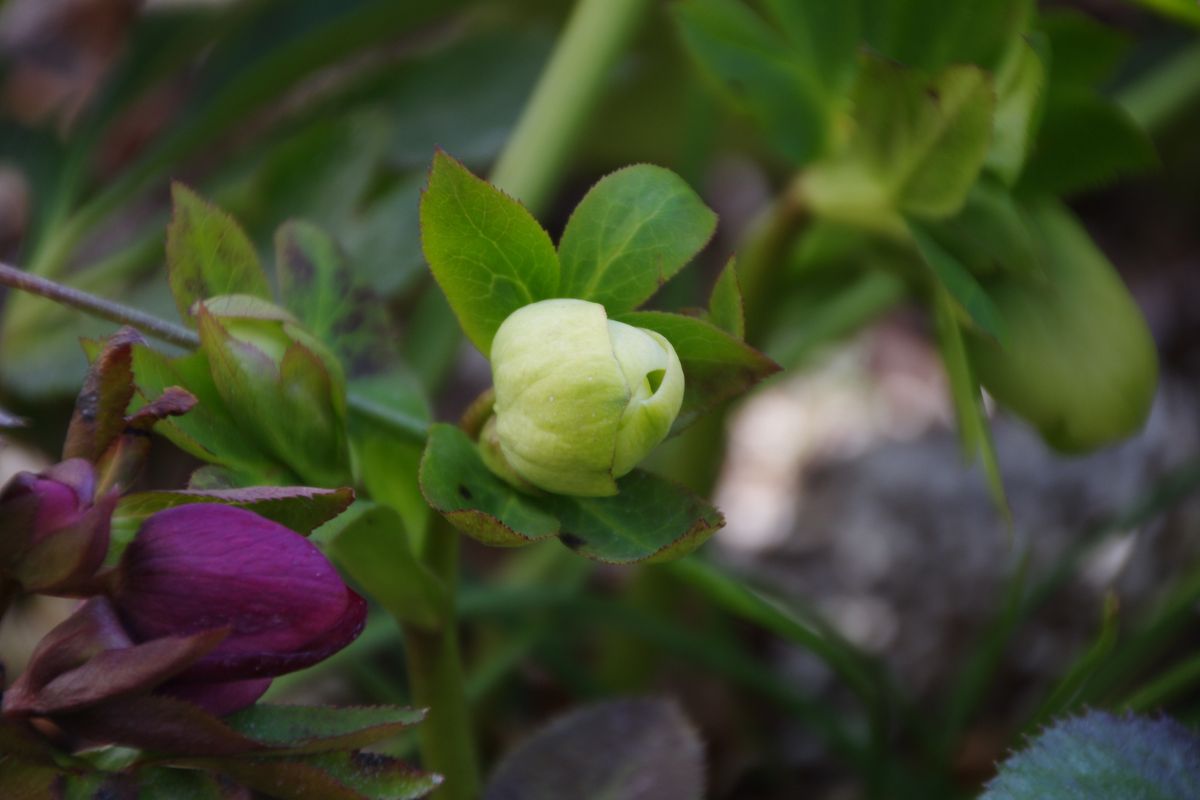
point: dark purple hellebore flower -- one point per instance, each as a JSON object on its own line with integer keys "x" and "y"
{"x": 200, "y": 567}
{"x": 53, "y": 535}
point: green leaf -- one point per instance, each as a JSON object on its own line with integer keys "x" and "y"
{"x": 1083, "y": 51}
{"x": 486, "y": 251}
{"x": 650, "y": 519}
{"x": 631, "y": 233}
{"x": 918, "y": 146}
{"x": 371, "y": 544}
{"x": 1103, "y": 757}
{"x": 301, "y": 730}
{"x": 178, "y": 784}
{"x": 330, "y": 776}
{"x": 758, "y": 74}
{"x": 960, "y": 283}
{"x": 1019, "y": 97}
{"x": 99, "y": 416}
{"x": 208, "y": 254}
{"x": 973, "y": 429}
{"x": 1084, "y": 141}
{"x": 725, "y": 307}
{"x": 316, "y": 284}
{"x": 991, "y": 233}
{"x": 931, "y": 34}
{"x": 824, "y": 37}
{"x": 642, "y": 748}
{"x": 209, "y": 431}
{"x": 458, "y": 485}
{"x": 300, "y": 508}
{"x": 716, "y": 365}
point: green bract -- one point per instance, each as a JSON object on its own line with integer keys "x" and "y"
{"x": 580, "y": 399}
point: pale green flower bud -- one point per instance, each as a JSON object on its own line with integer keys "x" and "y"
{"x": 580, "y": 399}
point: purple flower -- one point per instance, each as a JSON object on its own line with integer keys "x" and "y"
{"x": 199, "y": 567}
{"x": 209, "y": 603}
{"x": 53, "y": 535}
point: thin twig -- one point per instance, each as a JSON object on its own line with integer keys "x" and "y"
{"x": 99, "y": 307}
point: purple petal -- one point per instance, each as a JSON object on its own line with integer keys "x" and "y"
{"x": 202, "y": 566}
{"x": 218, "y": 699}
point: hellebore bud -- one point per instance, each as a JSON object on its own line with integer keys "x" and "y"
{"x": 580, "y": 398}
{"x": 279, "y": 379}
{"x": 1079, "y": 362}
{"x": 199, "y": 567}
{"x": 53, "y": 537}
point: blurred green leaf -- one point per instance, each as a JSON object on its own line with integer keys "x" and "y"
{"x": 960, "y": 283}
{"x": 1103, "y": 757}
{"x": 824, "y": 37}
{"x": 637, "y": 748}
{"x": 759, "y": 74}
{"x": 629, "y": 235}
{"x": 178, "y": 784}
{"x": 1068, "y": 693}
{"x": 371, "y": 544}
{"x": 932, "y": 34}
{"x": 489, "y": 255}
{"x": 991, "y": 233}
{"x": 208, "y": 254}
{"x": 384, "y": 239}
{"x": 973, "y": 429}
{"x": 1020, "y": 87}
{"x": 1083, "y": 51}
{"x": 917, "y": 147}
{"x": 716, "y": 365}
{"x": 725, "y": 307}
{"x": 1084, "y": 141}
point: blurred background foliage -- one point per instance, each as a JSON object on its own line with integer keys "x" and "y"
{"x": 868, "y": 624}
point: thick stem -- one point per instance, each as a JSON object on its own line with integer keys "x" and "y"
{"x": 567, "y": 91}
{"x": 435, "y": 673}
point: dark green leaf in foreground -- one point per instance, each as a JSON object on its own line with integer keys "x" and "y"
{"x": 315, "y": 729}
{"x": 330, "y": 776}
{"x": 637, "y": 749}
{"x": 489, "y": 254}
{"x": 208, "y": 254}
{"x": 716, "y": 366}
{"x": 649, "y": 519}
{"x": 631, "y": 232}
{"x": 1102, "y": 757}
{"x": 457, "y": 484}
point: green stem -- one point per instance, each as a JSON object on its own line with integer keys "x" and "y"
{"x": 436, "y": 674}
{"x": 568, "y": 90}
